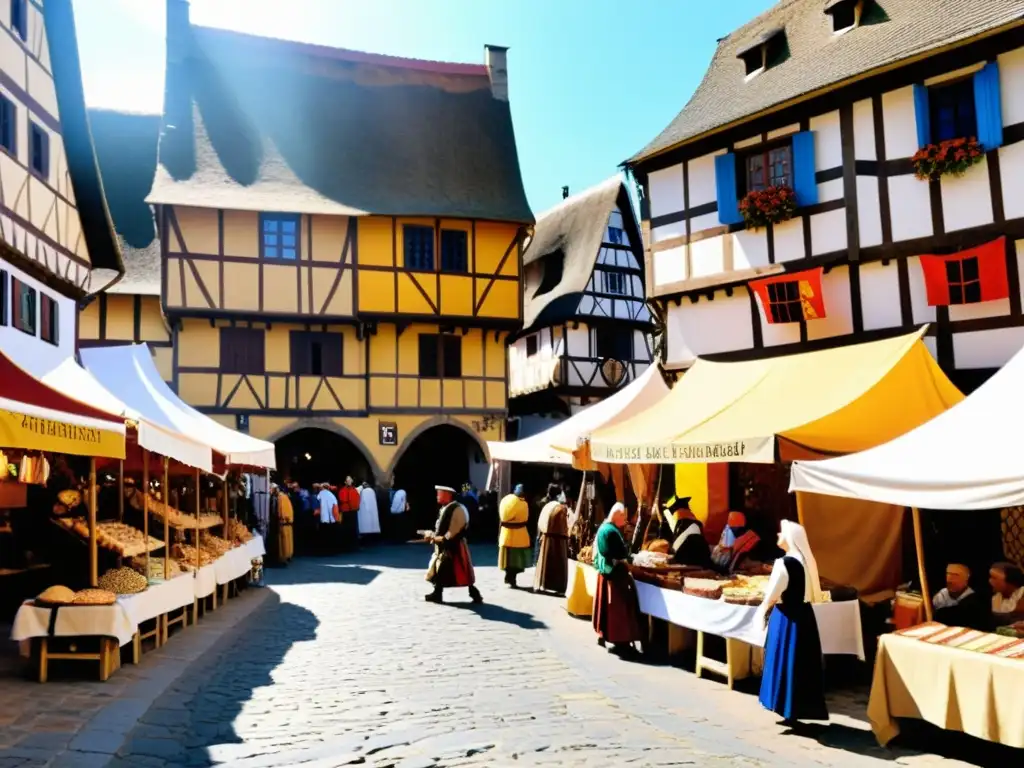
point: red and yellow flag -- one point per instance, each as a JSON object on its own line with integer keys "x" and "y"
{"x": 791, "y": 297}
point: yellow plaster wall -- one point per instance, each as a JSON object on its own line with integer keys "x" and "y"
{"x": 242, "y": 234}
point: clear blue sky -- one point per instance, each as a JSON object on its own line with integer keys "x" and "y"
{"x": 591, "y": 81}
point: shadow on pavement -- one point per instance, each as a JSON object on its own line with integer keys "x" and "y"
{"x": 198, "y": 711}
{"x": 498, "y": 613}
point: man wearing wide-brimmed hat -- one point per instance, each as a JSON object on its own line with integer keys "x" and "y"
{"x": 451, "y": 565}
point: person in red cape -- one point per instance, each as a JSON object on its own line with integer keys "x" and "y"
{"x": 451, "y": 565}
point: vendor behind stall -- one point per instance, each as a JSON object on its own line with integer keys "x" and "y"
{"x": 958, "y": 605}
{"x": 1007, "y": 582}
{"x": 685, "y": 531}
{"x": 736, "y": 543}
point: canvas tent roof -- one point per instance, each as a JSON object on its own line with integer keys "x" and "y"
{"x": 129, "y": 372}
{"x": 555, "y": 445}
{"x": 832, "y": 401}
{"x": 966, "y": 458}
{"x": 22, "y": 394}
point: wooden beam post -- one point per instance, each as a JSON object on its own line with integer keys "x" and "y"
{"x": 145, "y": 510}
{"x": 197, "y": 519}
{"x": 921, "y": 570}
{"x": 120, "y": 490}
{"x": 94, "y": 560}
{"x": 166, "y": 497}
{"x": 800, "y": 509}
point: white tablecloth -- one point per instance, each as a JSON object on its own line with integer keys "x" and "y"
{"x": 255, "y": 546}
{"x": 161, "y": 597}
{"x": 74, "y": 621}
{"x": 205, "y": 580}
{"x": 233, "y": 564}
{"x": 838, "y": 623}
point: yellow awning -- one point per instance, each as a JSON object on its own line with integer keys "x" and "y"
{"x": 834, "y": 401}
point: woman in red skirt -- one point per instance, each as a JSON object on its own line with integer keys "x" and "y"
{"x": 616, "y": 610}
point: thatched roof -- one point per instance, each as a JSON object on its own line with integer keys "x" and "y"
{"x": 255, "y": 123}
{"x": 816, "y": 57}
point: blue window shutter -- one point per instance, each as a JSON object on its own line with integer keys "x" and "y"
{"x": 805, "y": 183}
{"x": 725, "y": 186}
{"x": 987, "y": 106}
{"x": 924, "y": 128}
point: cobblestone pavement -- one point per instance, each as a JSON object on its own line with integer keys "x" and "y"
{"x": 344, "y": 664}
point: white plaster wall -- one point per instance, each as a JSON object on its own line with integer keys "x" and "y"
{"x": 932, "y": 345}
{"x": 986, "y": 349}
{"x": 707, "y": 256}
{"x": 1011, "y": 163}
{"x": 1011, "y": 75}
{"x": 669, "y": 266}
{"x": 701, "y": 177}
{"x": 577, "y": 343}
{"x": 918, "y": 296}
{"x": 1019, "y": 244}
{"x": 830, "y": 190}
{"x": 666, "y": 188}
{"x": 31, "y": 352}
{"x": 880, "y": 295}
{"x": 707, "y": 221}
{"x": 838, "y": 320}
{"x": 869, "y": 212}
{"x": 708, "y": 327}
{"x": 966, "y": 201}
{"x": 749, "y": 248}
{"x": 788, "y": 130}
{"x": 828, "y": 148}
{"x": 910, "y": 206}
{"x": 900, "y": 124}
{"x": 778, "y": 333}
{"x": 789, "y": 240}
{"x": 828, "y": 232}
{"x": 864, "y": 131}
{"x": 668, "y": 231}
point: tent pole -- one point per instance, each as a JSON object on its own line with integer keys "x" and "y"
{"x": 800, "y": 509}
{"x": 145, "y": 511}
{"x": 120, "y": 491}
{"x": 224, "y": 505}
{"x": 197, "y": 519}
{"x": 93, "y": 501}
{"x": 921, "y": 571}
{"x": 167, "y": 522}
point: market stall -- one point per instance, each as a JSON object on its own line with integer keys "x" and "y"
{"x": 966, "y": 459}
{"x": 777, "y": 409}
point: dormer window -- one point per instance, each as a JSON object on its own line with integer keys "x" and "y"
{"x": 767, "y": 50}
{"x": 552, "y": 266}
{"x": 846, "y": 14}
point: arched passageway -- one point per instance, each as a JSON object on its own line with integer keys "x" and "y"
{"x": 441, "y": 455}
{"x": 312, "y": 455}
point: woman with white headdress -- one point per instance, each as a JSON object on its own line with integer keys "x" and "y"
{"x": 616, "y": 609}
{"x": 792, "y": 684}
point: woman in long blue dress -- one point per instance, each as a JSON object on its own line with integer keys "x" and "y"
{"x": 793, "y": 684}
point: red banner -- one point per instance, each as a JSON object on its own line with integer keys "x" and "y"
{"x": 792, "y": 297}
{"x": 968, "y": 277}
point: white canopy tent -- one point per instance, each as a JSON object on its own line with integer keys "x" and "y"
{"x": 966, "y": 458}
{"x": 555, "y": 445}
{"x": 129, "y": 372}
{"x": 155, "y": 432}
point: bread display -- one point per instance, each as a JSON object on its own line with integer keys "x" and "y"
{"x": 95, "y": 597}
{"x": 659, "y": 545}
{"x": 214, "y": 545}
{"x": 186, "y": 556}
{"x": 710, "y": 589}
{"x": 236, "y": 531}
{"x": 742, "y": 596}
{"x": 56, "y": 595}
{"x": 117, "y": 537}
{"x": 177, "y": 518}
{"x": 649, "y": 559}
{"x": 585, "y": 555}
{"x": 123, "y": 581}
{"x": 156, "y": 567}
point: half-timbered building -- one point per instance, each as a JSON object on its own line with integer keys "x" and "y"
{"x": 846, "y": 170}
{"x": 586, "y": 326}
{"x": 56, "y": 242}
{"x": 339, "y": 240}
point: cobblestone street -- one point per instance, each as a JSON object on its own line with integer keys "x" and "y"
{"x": 342, "y": 663}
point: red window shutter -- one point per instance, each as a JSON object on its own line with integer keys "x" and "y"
{"x": 991, "y": 271}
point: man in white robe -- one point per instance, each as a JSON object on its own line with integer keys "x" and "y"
{"x": 369, "y": 520}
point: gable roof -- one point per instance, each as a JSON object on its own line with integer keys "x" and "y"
{"x": 576, "y": 227}
{"x": 61, "y": 36}
{"x": 126, "y": 146}
{"x": 891, "y": 31}
{"x": 257, "y": 123}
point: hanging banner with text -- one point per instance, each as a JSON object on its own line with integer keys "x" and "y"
{"x": 35, "y": 433}
{"x": 753, "y": 450}
{"x": 970, "y": 276}
{"x": 792, "y": 297}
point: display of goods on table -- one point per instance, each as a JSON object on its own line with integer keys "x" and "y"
{"x": 186, "y": 555}
{"x": 1012, "y": 630}
{"x": 123, "y": 581}
{"x": 994, "y": 644}
{"x": 117, "y": 537}
{"x": 156, "y": 567}
{"x": 585, "y": 555}
{"x": 236, "y": 531}
{"x": 176, "y": 518}
{"x": 60, "y": 595}
{"x": 215, "y": 545}
{"x": 745, "y": 588}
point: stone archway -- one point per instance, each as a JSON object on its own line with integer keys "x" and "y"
{"x": 376, "y": 475}
{"x": 437, "y": 421}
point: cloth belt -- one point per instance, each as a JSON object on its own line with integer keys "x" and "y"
{"x": 513, "y": 525}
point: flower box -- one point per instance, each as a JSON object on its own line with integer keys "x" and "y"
{"x": 770, "y": 205}
{"x": 947, "y": 158}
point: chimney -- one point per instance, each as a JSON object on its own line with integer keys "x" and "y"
{"x": 565, "y": 192}
{"x": 496, "y": 57}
